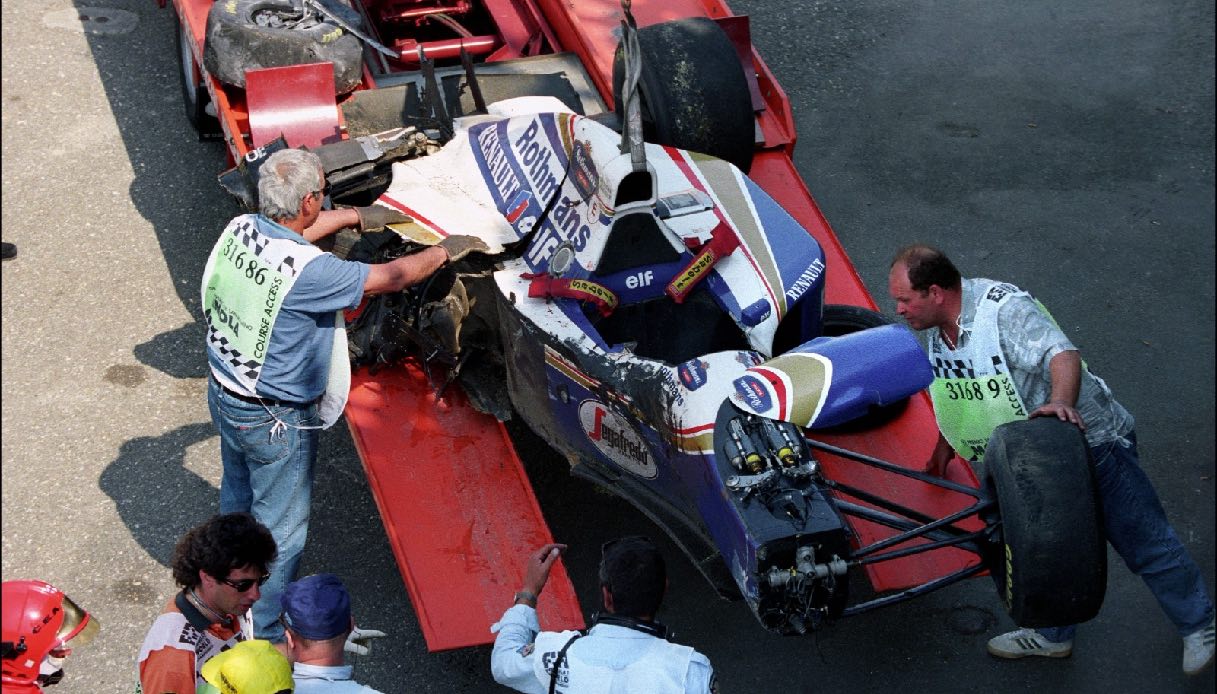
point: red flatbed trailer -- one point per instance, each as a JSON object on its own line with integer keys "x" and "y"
{"x": 457, "y": 506}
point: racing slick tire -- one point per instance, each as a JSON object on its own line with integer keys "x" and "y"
{"x": 693, "y": 91}
{"x": 1051, "y": 563}
{"x": 835, "y": 320}
{"x": 841, "y": 319}
{"x": 249, "y": 35}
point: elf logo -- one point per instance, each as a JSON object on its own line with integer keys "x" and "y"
{"x": 616, "y": 439}
{"x": 639, "y": 279}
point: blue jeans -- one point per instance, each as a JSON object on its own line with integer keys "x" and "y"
{"x": 1138, "y": 530}
{"x": 268, "y": 472}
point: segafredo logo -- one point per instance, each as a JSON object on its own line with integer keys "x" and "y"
{"x": 616, "y": 439}
{"x": 754, "y": 393}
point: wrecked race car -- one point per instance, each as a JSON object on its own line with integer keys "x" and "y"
{"x": 661, "y": 326}
{"x": 660, "y": 321}
{"x": 657, "y": 307}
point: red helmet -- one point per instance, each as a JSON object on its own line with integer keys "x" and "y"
{"x": 41, "y": 625}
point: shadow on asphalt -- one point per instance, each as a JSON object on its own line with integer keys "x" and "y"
{"x": 178, "y": 353}
{"x": 174, "y": 185}
{"x": 157, "y": 498}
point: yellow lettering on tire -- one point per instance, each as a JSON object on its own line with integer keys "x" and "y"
{"x": 1008, "y": 593}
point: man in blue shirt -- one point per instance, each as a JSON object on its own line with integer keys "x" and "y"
{"x": 276, "y": 347}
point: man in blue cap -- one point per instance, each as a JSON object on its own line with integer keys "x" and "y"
{"x": 319, "y": 627}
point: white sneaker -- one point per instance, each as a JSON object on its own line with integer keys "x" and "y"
{"x": 1198, "y": 650}
{"x": 1024, "y": 642}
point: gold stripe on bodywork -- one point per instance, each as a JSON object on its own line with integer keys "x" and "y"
{"x": 733, "y": 197}
{"x": 560, "y": 363}
{"x": 696, "y": 443}
{"x": 808, "y": 376}
{"x": 565, "y": 133}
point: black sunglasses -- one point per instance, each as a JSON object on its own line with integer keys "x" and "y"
{"x": 246, "y": 583}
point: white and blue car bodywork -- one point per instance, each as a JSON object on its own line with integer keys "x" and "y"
{"x": 662, "y": 326}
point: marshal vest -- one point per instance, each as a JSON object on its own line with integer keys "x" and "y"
{"x": 247, "y": 277}
{"x": 973, "y": 392}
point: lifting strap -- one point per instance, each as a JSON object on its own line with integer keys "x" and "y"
{"x": 479, "y": 103}
{"x": 433, "y": 96}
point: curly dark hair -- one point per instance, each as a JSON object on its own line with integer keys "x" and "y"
{"x": 219, "y": 546}
{"x": 928, "y": 266}
{"x": 635, "y": 574}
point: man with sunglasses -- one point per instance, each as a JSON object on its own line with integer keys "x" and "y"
{"x": 624, "y": 650}
{"x": 276, "y": 346}
{"x": 221, "y": 566}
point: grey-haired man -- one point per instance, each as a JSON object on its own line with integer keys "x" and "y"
{"x": 276, "y": 347}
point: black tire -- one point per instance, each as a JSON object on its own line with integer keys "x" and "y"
{"x": 236, "y": 42}
{"x": 1051, "y": 564}
{"x": 840, "y": 319}
{"x": 693, "y": 91}
{"x": 835, "y": 320}
{"x": 194, "y": 94}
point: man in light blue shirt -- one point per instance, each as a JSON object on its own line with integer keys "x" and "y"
{"x": 276, "y": 347}
{"x": 625, "y": 651}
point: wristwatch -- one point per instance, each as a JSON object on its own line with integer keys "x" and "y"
{"x": 527, "y": 598}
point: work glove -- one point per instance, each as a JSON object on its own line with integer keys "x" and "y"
{"x": 359, "y": 641}
{"x": 459, "y": 246}
{"x": 375, "y": 217}
{"x": 442, "y": 319}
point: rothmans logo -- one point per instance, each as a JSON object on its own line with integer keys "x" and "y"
{"x": 752, "y": 392}
{"x": 693, "y": 373}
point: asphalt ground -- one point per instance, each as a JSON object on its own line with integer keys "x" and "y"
{"x": 1067, "y": 148}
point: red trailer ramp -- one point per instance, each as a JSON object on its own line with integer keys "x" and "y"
{"x": 457, "y": 506}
